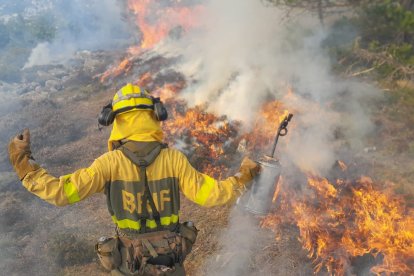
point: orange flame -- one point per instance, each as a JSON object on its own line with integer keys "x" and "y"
{"x": 338, "y": 223}
{"x": 123, "y": 67}
{"x": 154, "y": 30}
{"x": 216, "y": 136}
{"x": 155, "y": 21}
{"x": 267, "y": 121}
{"x": 206, "y": 133}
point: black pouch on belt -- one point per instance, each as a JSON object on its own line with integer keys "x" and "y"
{"x": 108, "y": 252}
{"x": 189, "y": 234}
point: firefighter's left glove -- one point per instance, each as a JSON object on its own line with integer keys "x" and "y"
{"x": 20, "y": 154}
{"x": 248, "y": 170}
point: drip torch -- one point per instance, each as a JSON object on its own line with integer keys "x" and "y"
{"x": 259, "y": 199}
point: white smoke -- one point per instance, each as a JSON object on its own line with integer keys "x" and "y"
{"x": 41, "y": 55}
{"x": 247, "y": 52}
{"x": 80, "y": 25}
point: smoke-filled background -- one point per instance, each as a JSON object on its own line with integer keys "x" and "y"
{"x": 52, "y": 30}
{"x": 248, "y": 54}
{"x": 238, "y": 56}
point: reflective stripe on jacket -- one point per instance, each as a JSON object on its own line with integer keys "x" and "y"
{"x": 169, "y": 173}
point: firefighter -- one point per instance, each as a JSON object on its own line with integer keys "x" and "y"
{"x": 141, "y": 178}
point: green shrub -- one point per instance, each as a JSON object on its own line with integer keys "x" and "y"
{"x": 388, "y": 26}
{"x": 386, "y": 21}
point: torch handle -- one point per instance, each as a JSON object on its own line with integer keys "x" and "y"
{"x": 281, "y": 131}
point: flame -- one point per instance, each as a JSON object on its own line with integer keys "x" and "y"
{"x": 322, "y": 185}
{"x": 216, "y": 139}
{"x": 277, "y": 190}
{"x": 156, "y": 21}
{"x": 205, "y": 133}
{"x": 123, "y": 67}
{"x": 349, "y": 219}
{"x": 338, "y": 220}
{"x": 383, "y": 225}
{"x": 342, "y": 165}
{"x": 145, "y": 80}
{"x": 270, "y": 116}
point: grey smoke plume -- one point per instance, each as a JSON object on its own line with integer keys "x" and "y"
{"x": 243, "y": 236}
{"x": 247, "y": 53}
{"x": 80, "y": 25}
{"x": 239, "y": 242}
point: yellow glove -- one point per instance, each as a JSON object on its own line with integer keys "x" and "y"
{"x": 20, "y": 154}
{"x": 248, "y": 170}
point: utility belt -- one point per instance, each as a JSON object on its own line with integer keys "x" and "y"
{"x": 154, "y": 253}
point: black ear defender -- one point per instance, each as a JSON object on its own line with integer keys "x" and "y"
{"x": 107, "y": 116}
{"x": 159, "y": 110}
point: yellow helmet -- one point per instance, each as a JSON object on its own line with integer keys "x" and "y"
{"x": 143, "y": 124}
{"x": 131, "y": 97}
{"x": 128, "y": 98}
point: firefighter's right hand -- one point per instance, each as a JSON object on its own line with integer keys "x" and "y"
{"x": 20, "y": 154}
{"x": 248, "y": 170}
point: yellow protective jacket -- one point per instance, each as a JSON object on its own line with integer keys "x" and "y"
{"x": 167, "y": 175}
{"x": 113, "y": 167}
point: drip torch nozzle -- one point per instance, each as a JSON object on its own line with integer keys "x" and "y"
{"x": 259, "y": 199}
{"x": 281, "y": 131}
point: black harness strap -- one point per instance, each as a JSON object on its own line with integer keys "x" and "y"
{"x": 143, "y": 162}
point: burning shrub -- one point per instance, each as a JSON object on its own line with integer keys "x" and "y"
{"x": 342, "y": 221}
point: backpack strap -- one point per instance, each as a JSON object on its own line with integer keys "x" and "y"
{"x": 143, "y": 162}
